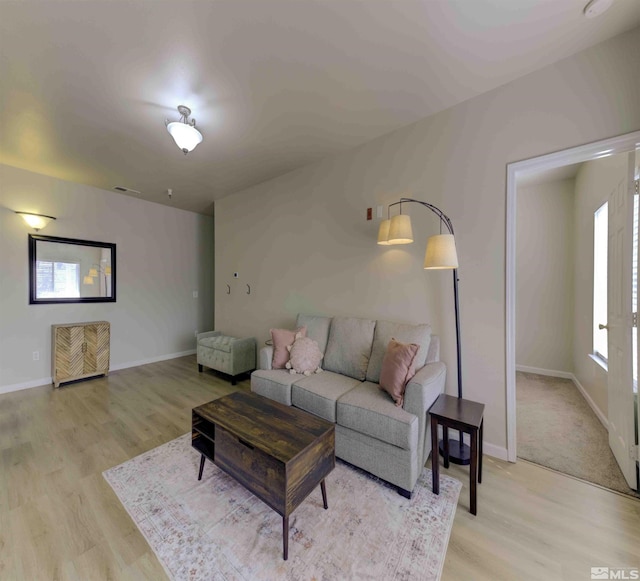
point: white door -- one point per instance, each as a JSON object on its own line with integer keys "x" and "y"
{"x": 620, "y": 322}
{"x": 636, "y": 343}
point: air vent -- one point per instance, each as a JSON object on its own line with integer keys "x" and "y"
{"x": 122, "y": 189}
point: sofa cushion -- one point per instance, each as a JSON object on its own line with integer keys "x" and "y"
{"x": 274, "y": 384}
{"x": 385, "y": 331}
{"x": 349, "y": 346}
{"x": 319, "y": 393}
{"x": 317, "y": 328}
{"x": 219, "y": 343}
{"x": 370, "y": 411}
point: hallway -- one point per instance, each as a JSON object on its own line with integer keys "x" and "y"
{"x": 558, "y": 429}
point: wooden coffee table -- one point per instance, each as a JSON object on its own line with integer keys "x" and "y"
{"x": 277, "y": 452}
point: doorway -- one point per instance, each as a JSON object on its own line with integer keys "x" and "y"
{"x": 515, "y": 174}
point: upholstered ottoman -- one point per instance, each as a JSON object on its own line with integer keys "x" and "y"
{"x": 226, "y": 354}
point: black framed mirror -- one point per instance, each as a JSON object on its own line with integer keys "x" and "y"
{"x": 65, "y": 270}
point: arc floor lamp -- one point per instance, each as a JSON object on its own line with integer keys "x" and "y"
{"x": 440, "y": 255}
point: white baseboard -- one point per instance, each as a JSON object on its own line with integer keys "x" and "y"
{"x": 48, "y": 381}
{"x": 541, "y": 371}
{"x": 498, "y": 452}
{"x": 26, "y": 385}
{"x": 487, "y": 449}
{"x": 151, "y": 360}
{"x": 572, "y": 377}
{"x": 592, "y": 404}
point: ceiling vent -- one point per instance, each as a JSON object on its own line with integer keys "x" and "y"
{"x": 128, "y": 190}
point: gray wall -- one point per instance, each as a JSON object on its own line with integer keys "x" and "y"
{"x": 163, "y": 255}
{"x": 544, "y": 276}
{"x": 302, "y": 243}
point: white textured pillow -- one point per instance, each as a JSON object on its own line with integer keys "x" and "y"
{"x": 304, "y": 356}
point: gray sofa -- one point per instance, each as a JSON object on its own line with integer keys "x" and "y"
{"x": 371, "y": 432}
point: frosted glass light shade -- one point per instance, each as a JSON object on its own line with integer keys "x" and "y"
{"x": 93, "y": 272}
{"x": 87, "y": 280}
{"x": 186, "y": 136}
{"x": 383, "y": 233}
{"x": 441, "y": 252}
{"x": 36, "y": 221}
{"x": 400, "y": 231}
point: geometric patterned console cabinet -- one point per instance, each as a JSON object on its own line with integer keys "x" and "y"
{"x": 79, "y": 350}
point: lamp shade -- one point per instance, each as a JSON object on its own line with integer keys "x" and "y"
{"x": 87, "y": 280}
{"x": 36, "y": 221}
{"x": 186, "y": 136}
{"x": 400, "y": 231}
{"x": 441, "y": 252}
{"x": 383, "y": 233}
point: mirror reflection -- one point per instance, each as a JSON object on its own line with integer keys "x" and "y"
{"x": 68, "y": 270}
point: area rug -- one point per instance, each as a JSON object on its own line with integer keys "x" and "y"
{"x": 216, "y": 530}
{"x": 556, "y": 428}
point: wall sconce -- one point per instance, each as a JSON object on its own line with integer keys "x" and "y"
{"x": 36, "y": 221}
{"x": 184, "y": 132}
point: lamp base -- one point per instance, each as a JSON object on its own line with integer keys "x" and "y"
{"x": 458, "y": 453}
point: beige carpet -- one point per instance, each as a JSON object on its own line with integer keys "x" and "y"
{"x": 557, "y": 429}
{"x": 216, "y": 530}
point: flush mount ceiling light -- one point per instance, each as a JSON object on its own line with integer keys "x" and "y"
{"x": 596, "y": 7}
{"x": 36, "y": 221}
{"x": 184, "y": 132}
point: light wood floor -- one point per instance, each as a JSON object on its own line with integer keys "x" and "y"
{"x": 59, "y": 519}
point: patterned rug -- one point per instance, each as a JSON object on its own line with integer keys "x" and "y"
{"x": 216, "y": 530}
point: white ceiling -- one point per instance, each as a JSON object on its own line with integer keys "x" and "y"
{"x": 85, "y": 86}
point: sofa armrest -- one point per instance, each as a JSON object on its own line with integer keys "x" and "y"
{"x": 422, "y": 390}
{"x": 208, "y": 334}
{"x": 266, "y": 356}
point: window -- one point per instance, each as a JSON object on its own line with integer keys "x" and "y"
{"x": 600, "y": 244}
{"x": 57, "y": 279}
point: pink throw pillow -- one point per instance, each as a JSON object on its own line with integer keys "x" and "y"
{"x": 283, "y": 338}
{"x": 398, "y": 368}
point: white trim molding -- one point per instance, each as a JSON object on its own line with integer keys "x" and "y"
{"x": 574, "y": 379}
{"x": 487, "y": 449}
{"x": 548, "y": 372}
{"x": 152, "y": 360}
{"x": 48, "y": 381}
{"x": 592, "y": 404}
{"x": 44, "y": 382}
{"x": 605, "y": 147}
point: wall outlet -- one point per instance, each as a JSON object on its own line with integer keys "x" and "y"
{"x": 379, "y": 210}
{"x": 36, "y": 355}
{"x": 195, "y": 294}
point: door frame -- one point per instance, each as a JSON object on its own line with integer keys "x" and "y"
{"x": 603, "y": 148}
